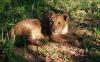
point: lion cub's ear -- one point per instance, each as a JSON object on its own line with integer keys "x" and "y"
{"x": 50, "y": 14}
{"x": 66, "y": 17}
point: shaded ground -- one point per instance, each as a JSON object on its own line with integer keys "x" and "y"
{"x": 54, "y": 52}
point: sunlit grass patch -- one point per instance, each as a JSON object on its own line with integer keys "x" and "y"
{"x": 97, "y": 31}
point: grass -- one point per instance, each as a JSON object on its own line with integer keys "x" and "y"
{"x": 12, "y": 11}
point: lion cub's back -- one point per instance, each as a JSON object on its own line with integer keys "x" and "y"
{"x": 26, "y": 26}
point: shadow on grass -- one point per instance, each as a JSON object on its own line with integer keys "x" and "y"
{"x": 90, "y": 42}
{"x": 22, "y": 9}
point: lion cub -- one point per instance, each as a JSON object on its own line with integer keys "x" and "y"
{"x": 54, "y": 25}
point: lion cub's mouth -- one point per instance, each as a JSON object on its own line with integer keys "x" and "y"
{"x": 61, "y": 30}
{"x": 57, "y": 31}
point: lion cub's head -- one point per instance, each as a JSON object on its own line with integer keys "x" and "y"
{"x": 58, "y": 22}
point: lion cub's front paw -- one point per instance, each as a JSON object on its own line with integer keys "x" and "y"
{"x": 58, "y": 38}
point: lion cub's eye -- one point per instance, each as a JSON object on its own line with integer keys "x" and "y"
{"x": 58, "y": 22}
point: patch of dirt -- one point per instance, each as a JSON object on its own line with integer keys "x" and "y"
{"x": 52, "y": 52}
{"x": 59, "y": 52}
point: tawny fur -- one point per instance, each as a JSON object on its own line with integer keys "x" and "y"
{"x": 30, "y": 28}
{"x": 59, "y": 26}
